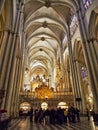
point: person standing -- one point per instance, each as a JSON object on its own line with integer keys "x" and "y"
{"x": 31, "y": 114}
{"x": 52, "y": 116}
{"x": 65, "y": 115}
{"x": 88, "y": 114}
{"x": 77, "y": 112}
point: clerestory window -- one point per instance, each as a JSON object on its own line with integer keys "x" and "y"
{"x": 87, "y": 3}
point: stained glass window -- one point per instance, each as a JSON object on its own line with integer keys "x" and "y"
{"x": 73, "y": 25}
{"x": 84, "y": 72}
{"x": 87, "y": 3}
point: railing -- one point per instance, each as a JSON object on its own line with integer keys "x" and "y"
{"x": 56, "y": 95}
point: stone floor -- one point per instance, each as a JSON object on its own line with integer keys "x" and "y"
{"x": 24, "y": 124}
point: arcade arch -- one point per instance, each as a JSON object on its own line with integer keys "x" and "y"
{"x": 44, "y": 105}
{"x": 62, "y": 105}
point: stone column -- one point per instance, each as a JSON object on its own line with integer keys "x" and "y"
{"x": 54, "y": 72}
{"x": 22, "y": 53}
{"x": 72, "y": 66}
{"x": 95, "y": 47}
{"x": 1, "y": 39}
{"x": 77, "y": 78}
{"x": 83, "y": 101}
{"x": 88, "y": 50}
{"x": 10, "y": 83}
{"x": 14, "y": 87}
{"x": 18, "y": 75}
{"x": 1, "y": 5}
{"x": 4, "y": 46}
{"x": 6, "y": 70}
{"x": 23, "y": 48}
{"x": 16, "y": 108}
{"x": 17, "y": 87}
{"x": 69, "y": 81}
{"x": 94, "y": 59}
{"x": 79, "y": 101}
{"x": 4, "y": 56}
{"x": 12, "y": 64}
{"x": 62, "y": 68}
{"x": 66, "y": 81}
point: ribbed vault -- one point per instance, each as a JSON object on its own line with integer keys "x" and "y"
{"x": 45, "y": 29}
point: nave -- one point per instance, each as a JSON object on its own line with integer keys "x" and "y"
{"x": 24, "y": 124}
{"x": 48, "y": 59}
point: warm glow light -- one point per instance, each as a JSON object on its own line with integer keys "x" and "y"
{"x": 90, "y": 99}
{"x": 62, "y": 105}
{"x": 25, "y": 107}
{"x": 44, "y": 105}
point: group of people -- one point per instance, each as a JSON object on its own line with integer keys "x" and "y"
{"x": 54, "y": 116}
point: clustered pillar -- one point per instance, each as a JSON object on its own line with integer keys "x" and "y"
{"x": 90, "y": 55}
{"x": 11, "y": 65}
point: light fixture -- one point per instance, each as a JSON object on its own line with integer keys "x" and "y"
{"x": 26, "y": 69}
{"x": 41, "y": 49}
{"x": 48, "y": 4}
{"x": 42, "y": 38}
{"x": 45, "y": 24}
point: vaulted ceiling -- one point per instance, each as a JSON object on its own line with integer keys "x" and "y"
{"x": 45, "y": 29}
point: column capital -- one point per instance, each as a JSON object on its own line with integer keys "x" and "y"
{"x": 19, "y": 57}
{"x": 92, "y": 39}
{"x": 17, "y": 34}
{"x": 6, "y": 30}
